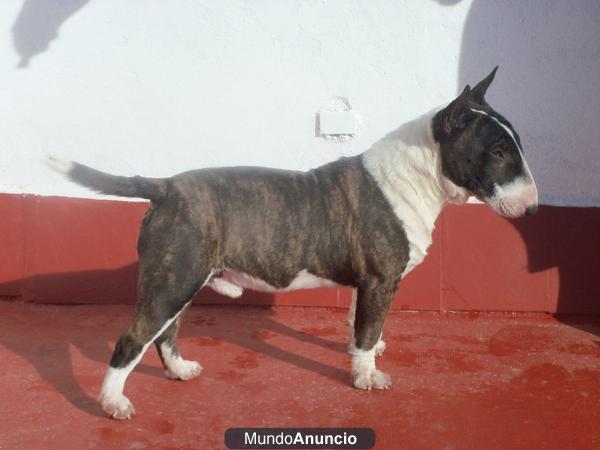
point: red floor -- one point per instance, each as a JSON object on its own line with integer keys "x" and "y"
{"x": 474, "y": 381}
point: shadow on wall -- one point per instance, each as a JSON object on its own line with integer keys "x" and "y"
{"x": 565, "y": 238}
{"x": 548, "y": 86}
{"x": 38, "y": 23}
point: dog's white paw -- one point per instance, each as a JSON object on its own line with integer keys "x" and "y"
{"x": 182, "y": 369}
{"x": 118, "y": 407}
{"x": 371, "y": 379}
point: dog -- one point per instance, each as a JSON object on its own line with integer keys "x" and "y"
{"x": 364, "y": 221}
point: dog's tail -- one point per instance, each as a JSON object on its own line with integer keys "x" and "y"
{"x": 151, "y": 188}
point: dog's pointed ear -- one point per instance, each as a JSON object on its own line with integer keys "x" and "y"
{"x": 456, "y": 114}
{"x": 478, "y": 92}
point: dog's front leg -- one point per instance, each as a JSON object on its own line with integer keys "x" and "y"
{"x": 379, "y": 347}
{"x": 373, "y": 303}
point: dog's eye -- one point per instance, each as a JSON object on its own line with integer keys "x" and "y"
{"x": 498, "y": 153}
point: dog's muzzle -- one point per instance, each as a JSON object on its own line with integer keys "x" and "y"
{"x": 515, "y": 199}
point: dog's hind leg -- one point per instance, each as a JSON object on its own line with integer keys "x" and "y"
{"x": 175, "y": 366}
{"x": 152, "y": 318}
{"x": 128, "y": 352}
{"x": 372, "y": 306}
{"x": 173, "y": 266}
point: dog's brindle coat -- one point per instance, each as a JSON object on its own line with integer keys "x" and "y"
{"x": 363, "y": 221}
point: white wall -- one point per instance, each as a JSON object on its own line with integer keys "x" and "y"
{"x": 155, "y": 87}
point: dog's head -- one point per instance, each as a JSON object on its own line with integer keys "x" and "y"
{"x": 482, "y": 153}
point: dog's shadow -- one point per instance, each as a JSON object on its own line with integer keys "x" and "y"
{"x": 262, "y": 325}
{"x": 566, "y": 238}
{"x": 49, "y": 350}
{"x": 541, "y": 72}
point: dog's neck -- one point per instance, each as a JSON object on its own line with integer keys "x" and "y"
{"x": 407, "y": 166}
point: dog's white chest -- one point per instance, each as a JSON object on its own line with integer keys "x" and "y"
{"x": 407, "y": 169}
{"x": 233, "y": 283}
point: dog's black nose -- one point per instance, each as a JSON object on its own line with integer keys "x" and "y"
{"x": 531, "y": 210}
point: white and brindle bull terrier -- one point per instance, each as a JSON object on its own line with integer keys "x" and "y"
{"x": 364, "y": 221}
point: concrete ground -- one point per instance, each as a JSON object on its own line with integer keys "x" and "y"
{"x": 460, "y": 381}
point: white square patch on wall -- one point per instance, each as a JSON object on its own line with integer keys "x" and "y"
{"x": 336, "y": 120}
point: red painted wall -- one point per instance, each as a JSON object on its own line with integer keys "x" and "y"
{"x": 66, "y": 250}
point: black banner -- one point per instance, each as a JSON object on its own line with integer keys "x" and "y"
{"x": 299, "y": 438}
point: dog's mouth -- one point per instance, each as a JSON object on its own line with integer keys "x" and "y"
{"x": 512, "y": 207}
{"x": 507, "y": 208}
{"x": 514, "y": 199}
